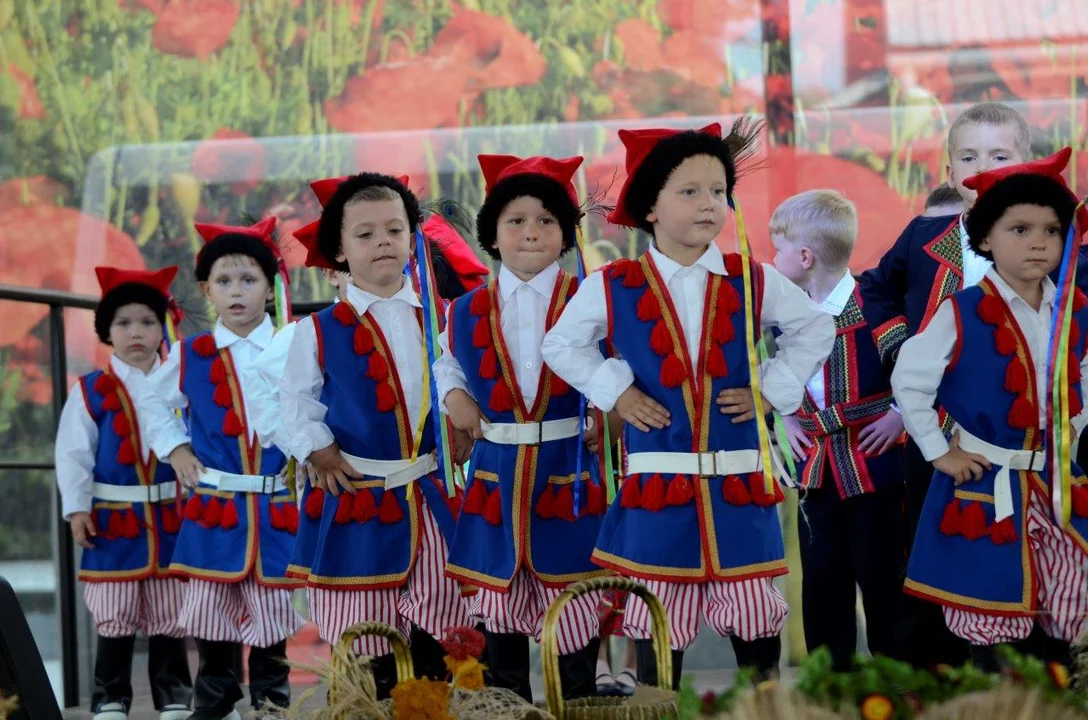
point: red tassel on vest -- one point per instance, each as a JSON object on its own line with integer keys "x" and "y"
{"x": 1005, "y": 341}
{"x": 194, "y": 509}
{"x": 1080, "y": 500}
{"x": 660, "y": 339}
{"x": 1003, "y": 532}
{"x": 680, "y": 491}
{"x": 559, "y": 386}
{"x": 502, "y": 400}
{"x": 672, "y": 371}
{"x": 232, "y": 426}
{"x": 115, "y": 527}
{"x": 715, "y": 362}
{"x": 476, "y": 498}
{"x": 1022, "y": 415}
{"x": 222, "y": 395}
{"x": 653, "y": 493}
{"x": 213, "y": 512}
{"x": 734, "y": 264}
{"x": 387, "y": 398}
{"x": 121, "y": 425}
{"x": 631, "y": 493}
{"x": 481, "y": 334}
{"x": 343, "y": 314}
{"x": 759, "y": 495}
{"x": 634, "y": 277}
{"x": 973, "y": 521}
{"x": 722, "y": 329}
{"x": 389, "y": 511}
{"x": 219, "y": 371}
{"x": 1016, "y": 376}
{"x": 275, "y": 516}
{"x": 596, "y": 499}
{"x": 493, "y": 511}
{"x": 489, "y": 364}
{"x": 126, "y": 454}
{"x": 169, "y": 519}
{"x": 363, "y": 507}
{"x": 545, "y": 506}
{"x": 315, "y": 503}
{"x": 105, "y": 384}
{"x": 735, "y": 492}
{"x": 728, "y": 299}
{"x": 130, "y": 524}
{"x": 230, "y": 515}
{"x": 377, "y": 369}
{"x": 648, "y": 308}
{"x": 204, "y": 346}
{"x": 290, "y": 516}
{"x": 481, "y": 303}
{"x": 363, "y": 341}
{"x": 111, "y": 402}
{"x": 343, "y": 509}
{"x": 991, "y": 310}
{"x": 564, "y": 502}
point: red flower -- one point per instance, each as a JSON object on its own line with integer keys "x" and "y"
{"x": 194, "y": 28}
{"x": 500, "y": 55}
{"x": 463, "y": 642}
{"x": 696, "y": 58}
{"x": 18, "y": 192}
{"x": 726, "y": 20}
{"x": 641, "y": 45}
{"x": 30, "y": 105}
{"x": 230, "y": 156}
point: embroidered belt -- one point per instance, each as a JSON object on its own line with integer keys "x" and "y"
{"x": 531, "y": 433}
{"x": 1034, "y": 460}
{"x": 230, "y": 482}
{"x": 395, "y": 472}
{"x": 157, "y": 492}
{"x": 839, "y": 416}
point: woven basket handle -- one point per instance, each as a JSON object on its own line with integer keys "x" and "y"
{"x": 549, "y": 641}
{"x": 401, "y": 654}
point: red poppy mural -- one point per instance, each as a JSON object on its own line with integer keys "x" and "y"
{"x": 194, "y": 28}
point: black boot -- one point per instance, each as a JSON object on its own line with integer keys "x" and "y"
{"x": 509, "y": 656}
{"x": 428, "y": 655}
{"x": 646, "y": 660}
{"x": 168, "y": 668}
{"x": 762, "y": 654}
{"x": 578, "y": 672}
{"x": 113, "y": 672}
{"x": 269, "y": 676}
{"x": 217, "y": 688}
{"x": 985, "y": 658}
{"x": 384, "y": 669}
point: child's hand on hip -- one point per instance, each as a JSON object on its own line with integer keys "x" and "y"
{"x": 186, "y": 465}
{"x": 877, "y": 437}
{"x": 82, "y": 529}
{"x": 464, "y": 412}
{"x": 798, "y": 438}
{"x": 334, "y": 473}
{"x": 961, "y": 465}
{"x": 741, "y": 403}
{"x": 642, "y": 411}
{"x": 461, "y": 443}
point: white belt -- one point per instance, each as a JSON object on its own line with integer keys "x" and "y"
{"x": 395, "y": 472}
{"x": 1008, "y": 460}
{"x": 134, "y": 493}
{"x": 531, "y": 433}
{"x": 707, "y": 464}
{"x": 229, "y": 482}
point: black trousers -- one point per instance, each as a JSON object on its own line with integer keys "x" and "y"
{"x": 924, "y": 639}
{"x": 856, "y": 542}
{"x": 167, "y": 665}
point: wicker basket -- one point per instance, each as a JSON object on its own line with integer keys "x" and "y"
{"x": 608, "y": 708}
{"x": 342, "y": 656}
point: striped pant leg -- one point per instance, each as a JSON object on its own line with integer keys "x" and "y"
{"x": 579, "y": 621}
{"x": 1062, "y": 571}
{"x": 115, "y": 607}
{"x": 516, "y": 611}
{"x": 334, "y": 611}
{"x": 162, "y": 600}
{"x": 212, "y": 611}
{"x": 981, "y": 629}
{"x": 268, "y": 615}
{"x": 750, "y": 609}
{"x": 682, "y": 603}
{"x": 430, "y": 599}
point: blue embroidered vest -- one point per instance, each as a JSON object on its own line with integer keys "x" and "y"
{"x": 227, "y": 535}
{"x": 688, "y": 528}
{"x": 135, "y": 540}
{"x": 519, "y": 508}
{"x": 961, "y": 557}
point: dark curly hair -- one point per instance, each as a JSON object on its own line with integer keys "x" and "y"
{"x": 1020, "y": 189}
{"x": 122, "y": 295}
{"x": 370, "y": 187}
{"x": 236, "y": 244}
{"x": 551, "y": 194}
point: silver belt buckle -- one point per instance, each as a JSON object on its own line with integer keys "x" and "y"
{"x": 152, "y": 491}
{"x": 539, "y": 433}
{"x": 713, "y": 457}
{"x": 268, "y": 484}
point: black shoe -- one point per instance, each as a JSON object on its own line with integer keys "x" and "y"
{"x": 985, "y": 658}
{"x": 509, "y": 656}
{"x": 578, "y": 672}
{"x": 168, "y": 668}
{"x": 269, "y": 676}
{"x": 646, "y": 660}
{"x": 762, "y": 655}
{"x": 113, "y": 672}
{"x": 384, "y": 669}
{"x": 428, "y": 655}
{"x": 217, "y": 689}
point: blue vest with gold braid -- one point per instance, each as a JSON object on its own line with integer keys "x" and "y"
{"x": 227, "y": 535}
{"x": 688, "y": 528}
{"x": 857, "y": 392}
{"x": 963, "y": 558}
{"x": 368, "y": 416}
{"x": 135, "y": 540}
{"x": 519, "y": 508}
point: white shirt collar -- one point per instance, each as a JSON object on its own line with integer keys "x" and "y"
{"x": 543, "y": 282}
{"x": 361, "y": 300}
{"x": 711, "y": 261}
{"x": 1010, "y": 296}
{"x": 123, "y": 370}
{"x": 836, "y": 301}
{"x": 261, "y": 335}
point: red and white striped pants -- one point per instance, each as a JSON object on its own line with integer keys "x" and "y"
{"x": 1062, "y": 591}
{"x": 428, "y": 599}
{"x": 749, "y": 609}
{"x": 243, "y": 612}
{"x": 521, "y": 610}
{"x": 121, "y": 609}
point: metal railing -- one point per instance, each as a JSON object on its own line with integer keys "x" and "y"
{"x": 57, "y": 301}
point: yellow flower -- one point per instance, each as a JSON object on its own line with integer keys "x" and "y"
{"x": 468, "y": 674}
{"x": 1059, "y": 674}
{"x": 421, "y": 700}
{"x": 877, "y": 707}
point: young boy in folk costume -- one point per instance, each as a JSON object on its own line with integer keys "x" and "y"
{"x": 528, "y": 525}
{"x": 845, "y": 438}
{"x": 354, "y": 399}
{"x": 239, "y": 526}
{"x": 695, "y": 518}
{"x": 120, "y": 500}
{"x": 988, "y": 548}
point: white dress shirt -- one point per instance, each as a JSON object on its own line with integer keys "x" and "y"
{"x": 162, "y": 392}
{"x": 570, "y": 348}
{"x": 833, "y": 305}
{"x": 974, "y": 265}
{"x": 523, "y": 315}
{"x": 77, "y": 440}
{"x": 924, "y": 358}
{"x": 303, "y": 413}
{"x": 263, "y": 378}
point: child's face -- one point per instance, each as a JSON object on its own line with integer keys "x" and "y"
{"x": 1026, "y": 243}
{"x": 978, "y": 148}
{"x": 528, "y": 237}
{"x": 239, "y": 290}
{"x": 690, "y": 209}
{"x": 136, "y": 334}
{"x": 792, "y": 259}
{"x": 374, "y": 242}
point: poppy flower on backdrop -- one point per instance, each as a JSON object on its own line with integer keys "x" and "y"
{"x": 194, "y": 28}
{"x": 1034, "y": 76}
{"x": 30, "y": 105}
{"x": 695, "y": 57}
{"x": 725, "y": 20}
{"x": 230, "y": 156}
{"x": 499, "y": 54}
{"x": 21, "y": 191}
{"x": 641, "y": 45}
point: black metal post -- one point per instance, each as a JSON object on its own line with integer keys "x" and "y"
{"x": 66, "y": 557}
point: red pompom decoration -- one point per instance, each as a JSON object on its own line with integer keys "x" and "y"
{"x": 502, "y": 399}
{"x": 1003, "y": 532}
{"x": 631, "y": 493}
{"x": 344, "y": 314}
{"x": 387, "y": 398}
{"x": 1005, "y": 341}
{"x": 489, "y": 364}
{"x": 481, "y": 334}
{"x": 219, "y": 371}
{"x": 950, "y": 522}
{"x": 973, "y": 521}
{"x": 389, "y": 511}
{"x": 363, "y": 341}
{"x": 232, "y": 426}
{"x": 377, "y": 368}
{"x": 648, "y": 308}
{"x": 363, "y": 507}
{"x": 991, "y": 310}
{"x": 564, "y": 502}
{"x": 680, "y": 491}
{"x": 223, "y": 396}
{"x": 735, "y": 491}
{"x": 204, "y": 346}
{"x": 545, "y": 506}
{"x": 672, "y": 371}
{"x": 315, "y": 503}
{"x": 480, "y": 305}
{"x": 230, "y": 515}
{"x": 213, "y": 512}
{"x": 660, "y": 338}
{"x": 493, "y": 511}
{"x": 715, "y": 362}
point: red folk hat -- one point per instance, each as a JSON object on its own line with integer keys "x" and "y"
{"x": 111, "y": 278}
{"x": 497, "y": 168}
{"x": 470, "y": 271}
{"x": 260, "y": 231}
{"x": 639, "y": 144}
